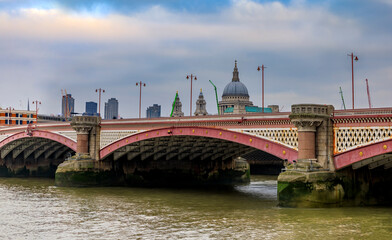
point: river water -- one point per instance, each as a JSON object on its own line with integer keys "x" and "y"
{"x": 36, "y": 209}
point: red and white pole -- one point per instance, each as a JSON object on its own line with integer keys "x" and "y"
{"x": 99, "y": 104}
{"x": 140, "y": 97}
{"x": 191, "y": 77}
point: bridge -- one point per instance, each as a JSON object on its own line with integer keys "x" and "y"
{"x": 310, "y": 139}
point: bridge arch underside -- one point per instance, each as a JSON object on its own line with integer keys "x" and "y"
{"x": 174, "y": 158}
{"x": 32, "y": 156}
{"x": 367, "y": 171}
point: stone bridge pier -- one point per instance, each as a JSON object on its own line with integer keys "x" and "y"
{"x": 311, "y": 180}
{"x": 84, "y": 168}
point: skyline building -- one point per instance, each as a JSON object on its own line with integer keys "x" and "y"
{"x": 91, "y": 109}
{"x": 153, "y": 111}
{"x": 111, "y": 109}
{"x": 70, "y": 101}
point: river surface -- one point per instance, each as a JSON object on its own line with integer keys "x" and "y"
{"x": 36, "y": 209}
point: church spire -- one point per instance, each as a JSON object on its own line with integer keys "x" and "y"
{"x": 235, "y": 73}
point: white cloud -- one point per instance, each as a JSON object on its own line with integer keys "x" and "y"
{"x": 305, "y": 48}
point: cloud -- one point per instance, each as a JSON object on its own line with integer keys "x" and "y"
{"x": 304, "y": 47}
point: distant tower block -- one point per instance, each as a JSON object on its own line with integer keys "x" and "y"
{"x": 178, "y": 108}
{"x": 201, "y": 105}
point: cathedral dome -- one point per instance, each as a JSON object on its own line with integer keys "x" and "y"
{"x": 235, "y": 88}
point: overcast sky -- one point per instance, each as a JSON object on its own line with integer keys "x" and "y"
{"x": 46, "y": 46}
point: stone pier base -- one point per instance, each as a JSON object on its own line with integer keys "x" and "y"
{"x": 87, "y": 172}
{"x": 83, "y": 173}
{"x": 309, "y": 189}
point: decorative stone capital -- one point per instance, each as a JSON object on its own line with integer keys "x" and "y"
{"x": 82, "y": 129}
{"x": 307, "y": 117}
{"x": 83, "y": 124}
{"x": 306, "y": 125}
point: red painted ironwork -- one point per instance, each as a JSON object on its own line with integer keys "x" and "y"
{"x": 350, "y": 157}
{"x": 40, "y": 134}
{"x": 268, "y": 146}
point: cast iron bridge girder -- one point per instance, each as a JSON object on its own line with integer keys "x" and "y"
{"x": 373, "y": 162}
{"x": 180, "y": 148}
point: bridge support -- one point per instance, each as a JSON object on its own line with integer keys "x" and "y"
{"x": 84, "y": 168}
{"x": 311, "y": 181}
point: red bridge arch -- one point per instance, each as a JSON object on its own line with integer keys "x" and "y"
{"x": 268, "y": 146}
{"x": 41, "y": 134}
{"x": 350, "y": 157}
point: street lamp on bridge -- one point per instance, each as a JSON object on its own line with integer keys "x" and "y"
{"x": 262, "y": 84}
{"x": 36, "y": 102}
{"x": 191, "y": 77}
{"x": 99, "y": 91}
{"x": 140, "y": 84}
{"x": 353, "y": 57}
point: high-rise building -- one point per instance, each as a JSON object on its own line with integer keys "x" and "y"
{"x": 153, "y": 111}
{"x": 91, "y": 109}
{"x": 111, "y": 109}
{"x": 69, "y": 101}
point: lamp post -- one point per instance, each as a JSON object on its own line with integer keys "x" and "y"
{"x": 140, "y": 84}
{"x": 353, "y": 57}
{"x": 99, "y": 104}
{"x": 191, "y": 77}
{"x": 262, "y": 84}
{"x": 36, "y": 102}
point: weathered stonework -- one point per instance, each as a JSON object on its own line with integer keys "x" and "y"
{"x": 311, "y": 181}
{"x": 309, "y": 189}
{"x": 315, "y": 132}
{"x": 88, "y": 135}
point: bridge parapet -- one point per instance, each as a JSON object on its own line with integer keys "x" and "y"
{"x": 351, "y": 132}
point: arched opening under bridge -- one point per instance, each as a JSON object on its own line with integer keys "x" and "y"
{"x": 367, "y": 171}
{"x": 37, "y": 153}
{"x": 184, "y": 153}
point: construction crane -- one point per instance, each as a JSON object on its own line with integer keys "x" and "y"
{"x": 174, "y": 104}
{"x": 216, "y": 95}
{"x": 368, "y": 93}
{"x": 341, "y": 95}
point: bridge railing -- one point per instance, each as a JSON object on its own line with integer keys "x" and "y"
{"x": 363, "y": 111}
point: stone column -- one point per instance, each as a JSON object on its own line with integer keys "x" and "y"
{"x": 307, "y": 118}
{"x": 82, "y": 139}
{"x": 87, "y": 128}
{"x": 306, "y": 137}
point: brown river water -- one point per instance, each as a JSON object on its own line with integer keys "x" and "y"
{"x": 36, "y": 209}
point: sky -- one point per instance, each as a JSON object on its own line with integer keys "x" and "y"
{"x": 80, "y": 46}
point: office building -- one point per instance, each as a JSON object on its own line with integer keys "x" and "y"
{"x": 153, "y": 111}
{"x": 111, "y": 109}
{"x": 68, "y": 105}
{"x": 91, "y": 109}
